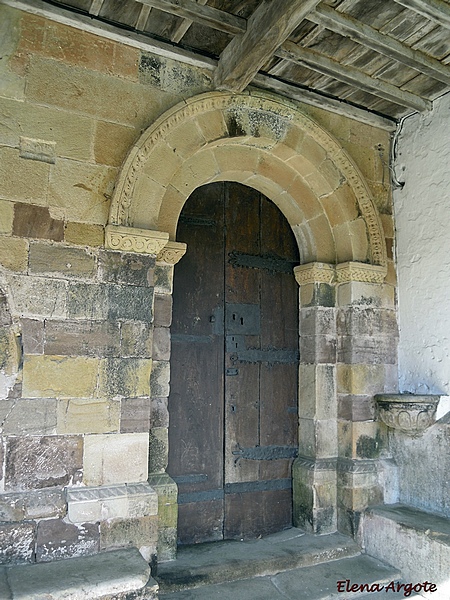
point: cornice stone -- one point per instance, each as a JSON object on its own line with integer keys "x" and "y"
{"x": 172, "y": 253}
{"x": 315, "y": 272}
{"x": 130, "y": 239}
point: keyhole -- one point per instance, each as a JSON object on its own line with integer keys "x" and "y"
{"x": 242, "y": 320}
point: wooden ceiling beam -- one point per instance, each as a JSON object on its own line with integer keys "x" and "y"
{"x": 96, "y": 7}
{"x": 363, "y": 34}
{"x": 267, "y": 28}
{"x": 204, "y": 15}
{"x": 435, "y": 10}
{"x": 351, "y": 76}
{"x": 184, "y": 26}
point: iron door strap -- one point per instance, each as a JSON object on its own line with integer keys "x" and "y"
{"x": 265, "y": 452}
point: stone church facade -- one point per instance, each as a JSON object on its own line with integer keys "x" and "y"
{"x": 97, "y": 160}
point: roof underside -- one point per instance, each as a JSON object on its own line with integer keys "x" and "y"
{"x": 389, "y": 57}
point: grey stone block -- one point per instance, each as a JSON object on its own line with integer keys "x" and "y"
{"x": 17, "y": 542}
{"x": 129, "y": 269}
{"x": 135, "y": 415}
{"x": 32, "y": 336}
{"x": 82, "y": 338}
{"x": 161, "y": 343}
{"x": 61, "y": 261}
{"x": 57, "y": 539}
{"x": 136, "y": 339}
{"x": 31, "y": 416}
{"x": 163, "y": 310}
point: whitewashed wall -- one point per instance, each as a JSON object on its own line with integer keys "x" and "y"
{"x": 422, "y": 212}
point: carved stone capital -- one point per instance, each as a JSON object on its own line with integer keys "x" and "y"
{"x": 354, "y": 271}
{"x": 172, "y": 253}
{"x": 315, "y": 272}
{"x": 130, "y": 239}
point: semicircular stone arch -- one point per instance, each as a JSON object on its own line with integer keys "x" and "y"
{"x": 262, "y": 142}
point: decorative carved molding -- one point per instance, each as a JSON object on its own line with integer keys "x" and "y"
{"x": 348, "y": 465}
{"x": 354, "y": 271}
{"x": 315, "y": 272}
{"x": 316, "y": 464}
{"x": 130, "y": 239}
{"x": 83, "y": 494}
{"x": 120, "y": 213}
{"x": 172, "y": 253}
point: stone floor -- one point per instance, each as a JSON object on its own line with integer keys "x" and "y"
{"x": 290, "y": 565}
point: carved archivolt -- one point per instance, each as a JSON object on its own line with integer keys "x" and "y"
{"x": 248, "y": 109}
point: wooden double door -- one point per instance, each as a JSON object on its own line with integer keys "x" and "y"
{"x": 234, "y": 366}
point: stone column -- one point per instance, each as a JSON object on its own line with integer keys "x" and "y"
{"x": 366, "y": 364}
{"x": 160, "y": 481}
{"x": 314, "y": 471}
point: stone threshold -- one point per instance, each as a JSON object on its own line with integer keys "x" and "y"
{"x": 227, "y": 561}
{"x": 115, "y": 575}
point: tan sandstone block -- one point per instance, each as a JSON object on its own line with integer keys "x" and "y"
{"x": 164, "y": 162}
{"x": 212, "y": 125}
{"x": 186, "y": 139}
{"x": 84, "y": 234}
{"x": 6, "y": 216}
{"x": 115, "y": 458}
{"x": 85, "y": 415}
{"x": 200, "y": 169}
{"x": 236, "y": 158}
{"x": 72, "y": 133}
{"x": 319, "y": 184}
{"x": 276, "y": 170}
{"x": 53, "y": 83}
{"x": 59, "y": 376}
{"x": 112, "y": 143}
{"x": 306, "y": 199}
{"x": 323, "y": 239}
{"x": 14, "y": 253}
{"x": 22, "y": 179}
{"x": 360, "y": 379}
{"x": 81, "y": 190}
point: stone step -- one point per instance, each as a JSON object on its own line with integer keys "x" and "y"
{"x": 414, "y": 541}
{"x": 318, "y": 582}
{"x": 219, "y": 562}
{"x": 115, "y": 575}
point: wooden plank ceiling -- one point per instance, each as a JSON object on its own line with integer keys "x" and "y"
{"x": 389, "y": 57}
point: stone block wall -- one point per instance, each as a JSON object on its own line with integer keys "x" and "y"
{"x": 85, "y": 329}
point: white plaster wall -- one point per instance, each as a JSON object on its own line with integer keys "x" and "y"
{"x": 422, "y": 214}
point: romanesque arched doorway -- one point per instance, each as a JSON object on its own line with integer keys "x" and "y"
{"x": 234, "y": 366}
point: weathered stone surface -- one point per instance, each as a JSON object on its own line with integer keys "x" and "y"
{"x": 317, "y": 391}
{"x": 22, "y": 180}
{"x": 37, "y": 149}
{"x": 158, "y": 449}
{"x": 366, "y": 321}
{"x": 61, "y": 261}
{"x": 163, "y": 279}
{"x": 159, "y": 380}
{"x": 71, "y": 132}
{"x": 133, "y": 303}
{"x": 59, "y": 376}
{"x": 358, "y": 293}
{"x": 50, "y": 82}
{"x": 36, "y": 416}
{"x": 317, "y": 294}
{"x": 82, "y": 338}
{"x": 38, "y": 297}
{"x": 6, "y": 216}
{"x": 128, "y": 377}
{"x": 35, "y": 222}
{"x": 5, "y": 313}
{"x": 136, "y": 339}
{"x": 115, "y": 458}
{"x": 32, "y": 336}
{"x": 17, "y": 542}
{"x": 141, "y": 533}
{"x": 130, "y": 269}
{"x": 80, "y": 189}
{"x": 40, "y": 462}
{"x": 317, "y": 349}
{"x": 356, "y": 408}
{"x": 84, "y": 234}
{"x": 13, "y": 253}
{"x": 57, "y": 539}
{"x": 375, "y": 349}
{"x": 110, "y": 502}
{"x": 135, "y": 415}
{"x": 93, "y": 415}
{"x": 116, "y": 575}
{"x": 39, "y": 504}
{"x": 112, "y": 143}
{"x": 163, "y": 310}
{"x": 10, "y": 351}
{"x": 159, "y": 412}
{"x": 317, "y": 321}
{"x": 161, "y": 343}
